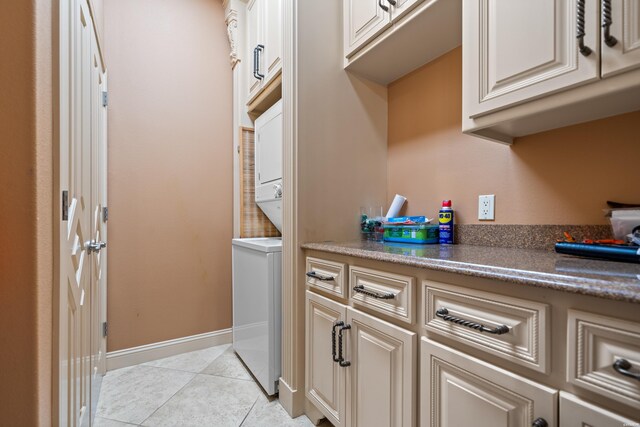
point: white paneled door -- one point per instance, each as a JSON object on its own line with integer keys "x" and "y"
{"x": 82, "y": 185}
{"x": 621, "y": 45}
{"x": 519, "y": 50}
{"x": 382, "y": 380}
{"x": 364, "y": 19}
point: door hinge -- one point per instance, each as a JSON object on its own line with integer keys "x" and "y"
{"x": 105, "y": 98}
{"x": 105, "y": 329}
{"x": 105, "y": 214}
{"x": 65, "y": 205}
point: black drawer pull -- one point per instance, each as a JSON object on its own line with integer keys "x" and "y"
{"x": 341, "y": 361}
{"x": 580, "y": 33}
{"x": 333, "y": 340}
{"x": 623, "y": 366}
{"x": 539, "y": 422}
{"x": 607, "y": 20}
{"x": 322, "y": 277}
{"x": 361, "y": 289}
{"x": 255, "y": 63}
{"x": 443, "y": 313}
{"x": 383, "y": 7}
{"x": 259, "y": 50}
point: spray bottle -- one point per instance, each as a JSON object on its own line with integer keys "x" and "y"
{"x": 445, "y": 219}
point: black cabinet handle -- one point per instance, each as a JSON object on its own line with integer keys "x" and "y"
{"x": 333, "y": 340}
{"x": 341, "y": 361}
{"x": 443, "y": 313}
{"x": 623, "y": 366}
{"x": 259, "y": 49}
{"x": 607, "y": 20}
{"x": 584, "y": 50}
{"x": 383, "y": 7}
{"x": 392, "y": 2}
{"x": 255, "y": 62}
{"x": 361, "y": 289}
{"x": 539, "y": 422}
{"x": 314, "y": 275}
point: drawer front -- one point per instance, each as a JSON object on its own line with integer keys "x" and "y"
{"x": 514, "y": 329}
{"x": 596, "y": 346}
{"x": 328, "y": 276}
{"x": 458, "y": 390}
{"x": 575, "y": 412}
{"x": 387, "y": 293}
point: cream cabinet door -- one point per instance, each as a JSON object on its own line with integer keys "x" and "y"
{"x": 518, "y": 50}
{"x": 624, "y": 26}
{"x": 254, "y": 41}
{"x": 272, "y": 62}
{"x": 575, "y": 412}
{"x": 324, "y": 378}
{"x": 382, "y": 379}
{"x": 363, "y": 20}
{"x": 459, "y": 390}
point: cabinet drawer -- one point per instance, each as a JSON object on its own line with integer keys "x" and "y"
{"x": 387, "y": 293}
{"x": 575, "y": 412}
{"x": 514, "y": 329}
{"x": 596, "y": 346}
{"x": 328, "y": 276}
{"x": 459, "y": 390}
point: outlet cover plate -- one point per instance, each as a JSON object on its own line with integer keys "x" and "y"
{"x": 487, "y": 207}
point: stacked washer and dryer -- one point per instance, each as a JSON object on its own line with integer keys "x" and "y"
{"x": 257, "y": 263}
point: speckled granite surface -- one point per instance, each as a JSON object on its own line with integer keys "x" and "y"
{"x": 525, "y": 236}
{"x": 605, "y": 279}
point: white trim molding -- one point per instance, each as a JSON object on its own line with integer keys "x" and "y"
{"x": 149, "y": 352}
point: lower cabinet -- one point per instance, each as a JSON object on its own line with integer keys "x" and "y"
{"x": 459, "y": 390}
{"x": 324, "y": 377}
{"x": 360, "y": 370}
{"x": 575, "y": 412}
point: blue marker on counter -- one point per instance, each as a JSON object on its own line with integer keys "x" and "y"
{"x": 445, "y": 219}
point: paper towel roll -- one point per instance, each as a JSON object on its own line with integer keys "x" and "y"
{"x": 396, "y": 205}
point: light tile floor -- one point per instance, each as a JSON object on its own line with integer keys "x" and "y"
{"x": 208, "y": 387}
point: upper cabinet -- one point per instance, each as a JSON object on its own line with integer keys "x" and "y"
{"x": 525, "y": 49}
{"x": 528, "y": 66}
{"x": 363, "y": 20}
{"x": 386, "y": 39}
{"x": 621, "y": 50}
{"x": 264, "y": 40}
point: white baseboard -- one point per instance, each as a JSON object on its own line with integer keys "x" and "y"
{"x": 147, "y": 353}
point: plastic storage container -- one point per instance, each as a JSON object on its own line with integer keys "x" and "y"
{"x": 415, "y": 233}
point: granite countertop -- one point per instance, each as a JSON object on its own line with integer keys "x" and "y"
{"x": 604, "y": 279}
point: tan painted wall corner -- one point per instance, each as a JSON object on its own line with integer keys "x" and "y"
{"x": 170, "y": 170}
{"x": 563, "y": 176}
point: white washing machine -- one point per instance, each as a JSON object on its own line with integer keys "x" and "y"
{"x": 257, "y": 279}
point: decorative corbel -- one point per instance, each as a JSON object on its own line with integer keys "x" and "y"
{"x": 232, "y": 31}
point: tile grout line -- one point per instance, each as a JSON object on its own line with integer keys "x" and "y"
{"x": 172, "y": 396}
{"x": 118, "y": 421}
{"x": 249, "y": 411}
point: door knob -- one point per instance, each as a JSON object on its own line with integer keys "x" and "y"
{"x": 94, "y": 246}
{"x": 277, "y": 188}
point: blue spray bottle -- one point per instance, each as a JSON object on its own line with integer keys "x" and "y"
{"x": 445, "y": 219}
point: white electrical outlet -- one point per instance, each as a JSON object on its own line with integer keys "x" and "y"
{"x": 487, "y": 207}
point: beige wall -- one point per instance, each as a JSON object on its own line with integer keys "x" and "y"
{"x": 26, "y": 241}
{"x": 563, "y": 176}
{"x": 340, "y": 158}
{"x": 170, "y": 170}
